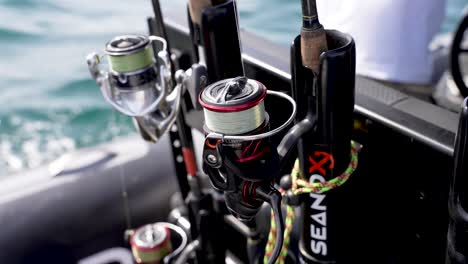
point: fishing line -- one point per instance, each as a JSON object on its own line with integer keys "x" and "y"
{"x": 123, "y": 182}
{"x": 125, "y": 204}
{"x": 235, "y": 122}
{"x": 234, "y": 106}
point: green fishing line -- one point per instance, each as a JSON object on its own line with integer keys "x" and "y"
{"x": 131, "y": 62}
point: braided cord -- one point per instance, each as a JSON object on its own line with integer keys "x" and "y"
{"x": 321, "y": 187}
{"x": 271, "y": 240}
{"x": 300, "y": 186}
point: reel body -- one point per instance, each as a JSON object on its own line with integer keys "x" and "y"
{"x": 136, "y": 85}
{"x": 238, "y": 168}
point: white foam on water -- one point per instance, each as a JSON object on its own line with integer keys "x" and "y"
{"x": 10, "y": 160}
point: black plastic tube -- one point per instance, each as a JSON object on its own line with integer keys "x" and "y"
{"x": 221, "y": 42}
{"x": 328, "y": 96}
{"x": 457, "y": 238}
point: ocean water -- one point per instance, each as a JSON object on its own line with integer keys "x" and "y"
{"x": 48, "y": 103}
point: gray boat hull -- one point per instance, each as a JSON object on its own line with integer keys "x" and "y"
{"x": 75, "y": 206}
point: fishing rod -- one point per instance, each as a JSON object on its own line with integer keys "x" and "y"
{"x": 323, "y": 73}
{"x": 183, "y": 131}
{"x": 203, "y": 219}
{"x": 239, "y": 162}
{"x": 146, "y": 87}
{"x": 195, "y": 196}
{"x": 206, "y": 224}
{"x": 313, "y": 37}
{"x": 139, "y": 86}
{"x": 229, "y": 139}
{"x": 215, "y": 37}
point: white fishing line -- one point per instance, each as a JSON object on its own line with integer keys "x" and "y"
{"x": 123, "y": 181}
{"x": 235, "y": 123}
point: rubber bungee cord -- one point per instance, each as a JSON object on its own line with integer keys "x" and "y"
{"x": 301, "y": 186}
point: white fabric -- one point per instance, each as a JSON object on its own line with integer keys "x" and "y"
{"x": 392, "y": 36}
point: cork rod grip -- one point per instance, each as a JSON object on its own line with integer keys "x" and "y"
{"x": 313, "y": 37}
{"x": 196, "y": 8}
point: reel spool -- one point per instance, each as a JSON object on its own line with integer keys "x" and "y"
{"x": 157, "y": 243}
{"x": 238, "y": 155}
{"x": 135, "y": 84}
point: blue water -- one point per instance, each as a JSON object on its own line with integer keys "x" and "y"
{"x": 48, "y": 103}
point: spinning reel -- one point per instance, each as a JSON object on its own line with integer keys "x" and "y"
{"x": 238, "y": 154}
{"x": 136, "y": 85}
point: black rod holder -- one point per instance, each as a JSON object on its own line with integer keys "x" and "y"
{"x": 218, "y": 35}
{"x": 457, "y": 238}
{"x": 324, "y": 152}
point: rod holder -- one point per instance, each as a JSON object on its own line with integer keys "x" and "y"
{"x": 219, "y": 36}
{"x": 324, "y": 152}
{"x": 457, "y": 238}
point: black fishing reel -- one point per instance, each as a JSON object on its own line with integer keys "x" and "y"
{"x": 136, "y": 85}
{"x": 238, "y": 154}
